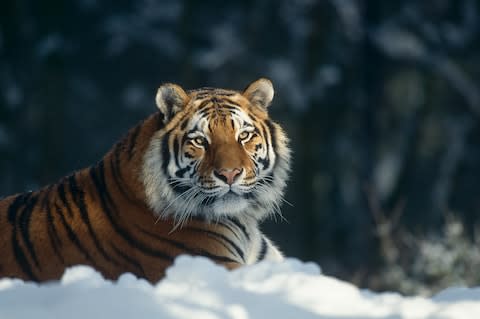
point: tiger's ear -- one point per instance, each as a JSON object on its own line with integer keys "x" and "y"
{"x": 170, "y": 99}
{"x": 260, "y": 92}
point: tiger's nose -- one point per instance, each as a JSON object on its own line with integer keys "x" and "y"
{"x": 228, "y": 175}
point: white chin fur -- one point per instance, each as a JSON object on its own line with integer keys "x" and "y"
{"x": 229, "y": 205}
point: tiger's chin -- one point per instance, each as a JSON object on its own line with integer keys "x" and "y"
{"x": 230, "y": 204}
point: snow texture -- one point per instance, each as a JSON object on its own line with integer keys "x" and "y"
{"x": 197, "y": 288}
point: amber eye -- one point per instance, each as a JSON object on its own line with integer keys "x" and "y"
{"x": 199, "y": 141}
{"x": 243, "y": 136}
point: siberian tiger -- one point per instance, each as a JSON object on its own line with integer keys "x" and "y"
{"x": 196, "y": 178}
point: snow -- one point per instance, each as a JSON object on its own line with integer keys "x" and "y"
{"x": 197, "y": 288}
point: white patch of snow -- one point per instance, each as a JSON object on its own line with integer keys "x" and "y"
{"x": 197, "y": 288}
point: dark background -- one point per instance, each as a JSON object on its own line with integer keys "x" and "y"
{"x": 380, "y": 99}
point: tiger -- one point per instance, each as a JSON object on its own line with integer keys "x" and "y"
{"x": 196, "y": 177}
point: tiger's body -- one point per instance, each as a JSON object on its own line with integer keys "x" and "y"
{"x": 194, "y": 178}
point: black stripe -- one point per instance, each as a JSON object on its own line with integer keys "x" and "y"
{"x": 176, "y": 148}
{"x": 264, "y": 161}
{"x": 99, "y": 182}
{"x": 46, "y": 197}
{"x": 203, "y": 105}
{"x": 214, "y": 257}
{"x": 172, "y": 242}
{"x": 268, "y": 136}
{"x": 133, "y": 140}
{"x": 263, "y": 250}
{"x": 15, "y": 206}
{"x": 273, "y": 134}
{"x": 229, "y": 228}
{"x": 268, "y": 179}
{"x": 17, "y": 250}
{"x": 63, "y": 197}
{"x": 253, "y": 117}
{"x": 224, "y": 93}
{"x": 55, "y": 241}
{"x": 165, "y": 153}
{"x": 215, "y": 100}
{"x": 24, "y": 225}
{"x": 205, "y": 113}
{"x": 160, "y": 120}
{"x": 193, "y": 130}
{"x": 179, "y": 189}
{"x": 229, "y": 101}
{"x": 184, "y": 138}
{"x": 183, "y": 125}
{"x": 181, "y": 172}
{"x": 117, "y": 174}
{"x": 187, "y": 249}
{"x": 78, "y": 196}
{"x": 105, "y": 191}
{"x": 72, "y": 236}
{"x": 240, "y": 226}
{"x": 230, "y": 107}
{"x": 129, "y": 260}
{"x": 220, "y": 237}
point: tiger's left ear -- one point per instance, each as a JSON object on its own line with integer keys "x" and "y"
{"x": 260, "y": 92}
{"x": 171, "y": 98}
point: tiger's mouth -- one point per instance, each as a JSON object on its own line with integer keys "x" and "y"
{"x": 228, "y": 197}
{"x": 233, "y": 192}
{"x": 214, "y": 200}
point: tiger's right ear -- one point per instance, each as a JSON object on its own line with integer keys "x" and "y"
{"x": 170, "y": 99}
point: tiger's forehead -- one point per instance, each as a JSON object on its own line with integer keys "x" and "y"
{"x": 218, "y": 106}
{"x": 217, "y": 99}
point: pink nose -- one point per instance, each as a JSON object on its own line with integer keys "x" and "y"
{"x": 228, "y": 175}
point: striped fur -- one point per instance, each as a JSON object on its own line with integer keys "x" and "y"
{"x": 195, "y": 178}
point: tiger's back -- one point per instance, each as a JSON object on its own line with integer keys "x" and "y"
{"x": 158, "y": 193}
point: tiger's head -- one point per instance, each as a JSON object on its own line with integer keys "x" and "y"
{"x": 218, "y": 155}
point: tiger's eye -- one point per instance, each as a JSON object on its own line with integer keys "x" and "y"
{"x": 201, "y": 141}
{"x": 244, "y": 135}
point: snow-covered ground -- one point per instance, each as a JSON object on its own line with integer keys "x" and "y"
{"x": 196, "y": 288}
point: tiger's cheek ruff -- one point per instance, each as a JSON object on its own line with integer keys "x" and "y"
{"x": 274, "y": 176}
{"x": 167, "y": 176}
{"x": 157, "y": 187}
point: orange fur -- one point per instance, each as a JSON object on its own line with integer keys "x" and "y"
{"x": 99, "y": 216}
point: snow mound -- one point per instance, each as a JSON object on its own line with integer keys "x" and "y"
{"x": 197, "y": 288}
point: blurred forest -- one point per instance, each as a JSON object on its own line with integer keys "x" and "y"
{"x": 380, "y": 99}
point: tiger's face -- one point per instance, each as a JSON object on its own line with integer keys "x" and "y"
{"x": 218, "y": 155}
{"x": 224, "y": 157}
